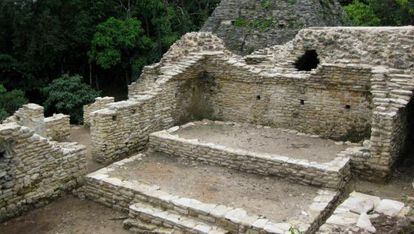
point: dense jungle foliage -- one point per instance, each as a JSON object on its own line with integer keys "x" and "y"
{"x": 63, "y": 53}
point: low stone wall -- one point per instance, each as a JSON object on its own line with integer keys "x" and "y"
{"x": 58, "y": 127}
{"x": 34, "y": 170}
{"x": 99, "y": 104}
{"x": 333, "y": 174}
{"x": 120, "y": 194}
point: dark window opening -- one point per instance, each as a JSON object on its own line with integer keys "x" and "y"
{"x": 308, "y": 61}
{"x": 302, "y": 102}
{"x": 258, "y": 97}
{"x": 348, "y": 107}
{"x": 113, "y": 118}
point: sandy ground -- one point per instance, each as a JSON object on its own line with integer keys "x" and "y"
{"x": 68, "y": 215}
{"x": 265, "y": 140}
{"x": 274, "y": 198}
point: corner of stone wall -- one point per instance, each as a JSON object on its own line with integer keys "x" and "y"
{"x": 100, "y": 103}
{"x": 30, "y": 115}
{"x": 34, "y": 170}
{"x": 58, "y": 127}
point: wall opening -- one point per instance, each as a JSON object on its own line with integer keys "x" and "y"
{"x": 307, "y": 61}
{"x": 348, "y": 107}
{"x": 258, "y": 97}
{"x": 302, "y": 102}
{"x": 406, "y": 157}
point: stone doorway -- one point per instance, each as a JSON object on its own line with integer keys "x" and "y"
{"x": 406, "y": 157}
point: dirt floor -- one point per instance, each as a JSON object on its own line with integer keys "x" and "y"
{"x": 81, "y": 135}
{"x": 68, "y": 215}
{"x": 265, "y": 140}
{"x": 400, "y": 187}
{"x": 273, "y": 198}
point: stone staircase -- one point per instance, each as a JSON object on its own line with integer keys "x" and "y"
{"x": 147, "y": 218}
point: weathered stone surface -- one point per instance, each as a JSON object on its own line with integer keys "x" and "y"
{"x": 34, "y": 170}
{"x": 277, "y": 21}
{"x": 365, "y": 223}
{"x": 389, "y": 207}
{"x": 348, "y": 219}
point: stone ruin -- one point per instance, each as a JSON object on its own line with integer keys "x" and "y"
{"x": 248, "y": 25}
{"x": 36, "y": 165}
{"x": 208, "y": 136}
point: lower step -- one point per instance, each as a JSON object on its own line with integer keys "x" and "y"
{"x": 154, "y": 218}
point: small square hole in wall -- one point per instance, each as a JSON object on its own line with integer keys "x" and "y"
{"x": 114, "y": 118}
{"x": 258, "y": 97}
{"x": 302, "y": 102}
{"x": 348, "y": 107}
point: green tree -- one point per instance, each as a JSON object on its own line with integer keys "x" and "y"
{"x": 10, "y": 101}
{"x": 116, "y": 41}
{"x": 67, "y": 95}
{"x": 380, "y": 12}
{"x": 362, "y": 14}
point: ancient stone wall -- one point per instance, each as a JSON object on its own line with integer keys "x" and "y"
{"x": 333, "y": 174}
{"x": 385, "y": 46}
{"x": 34, "y": 170}
{"x": 346, "y": 95}
{"x": 331, "y": 102}
{"x": 248, "y": 25}
{"x": 30, "y": 115}
{"x": 58, "y": 127}
{"x": 100, "y": 103}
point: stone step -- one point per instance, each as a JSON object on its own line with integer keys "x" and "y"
{"x": 170, "y": 220}
{"x": 105, "y": 187}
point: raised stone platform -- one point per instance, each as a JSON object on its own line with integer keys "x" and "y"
{"x": 165, "y": 192}
{"x": 306, "y": 159}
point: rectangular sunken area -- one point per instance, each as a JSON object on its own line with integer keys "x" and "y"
{"x": 257, "y": 149}
{"x": 161, "y": 186}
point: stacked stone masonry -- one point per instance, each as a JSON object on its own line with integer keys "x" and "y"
{"x": 100, "y": 103}
{"x": 58, "y": 127}
{"x": 34, "y": 170}
{"x": 333, "y": 174}
{"x": 357, "y": 92}
{"x": 144, "y": 202}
